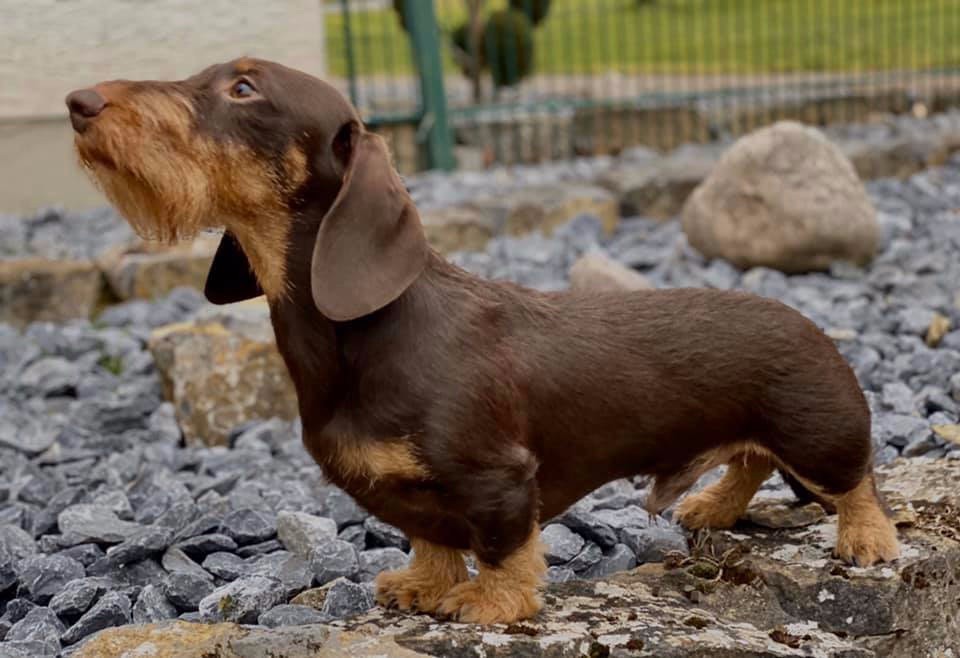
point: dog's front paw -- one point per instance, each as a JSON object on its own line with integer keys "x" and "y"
{"x": 411, "y": 589}
{"x": 473, "y": 603}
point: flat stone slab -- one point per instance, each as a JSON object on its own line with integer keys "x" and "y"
{"x": 40, "y": 289}
{"x": 754, "y": 590}
{"x": 769, "y": 577}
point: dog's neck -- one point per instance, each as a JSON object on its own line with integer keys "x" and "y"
{"x": 327, "y": 359}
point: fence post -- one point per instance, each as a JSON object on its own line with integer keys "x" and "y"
{"x": 425, "y": 41}
{"x": 348, "y": 43}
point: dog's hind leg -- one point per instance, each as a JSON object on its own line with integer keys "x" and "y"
{"x": 866, "y": 535}
{"x": 725, "y": 501}
{"x": 841, "y": 473}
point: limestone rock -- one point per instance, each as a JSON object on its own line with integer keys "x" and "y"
{"x": 939, "y": 327}
{"x": 659, "y": 188}
{"x": 147, "y": 272}
{"x": 222, "y": 370}
{"x": 37, "y": 289}
{"x": 950, "y": 433}
{"x": 546, "y": 207}
{"x": 772, "y": 578}
{"x": 583, "y": 619}
{"x": 457, "y": 228}
{"x": 783, "y": 197}
{"x": 751, "y": 591}
{"x": 595, "y": 271}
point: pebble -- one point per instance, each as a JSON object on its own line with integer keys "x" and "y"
{"x": 587, "y": 558}
{"x": 185, "y": 590}
{"x": 97, "y": 523}
{"x": 145, "y": 543}
{"x": 176, "y": 561}
{"x": 20, "y": 432}
{"x": 382, "y": 535}
{"x": 39, "y": 625}
{"x": 290, "y": 615}
{"x": 43, "y": 576}
{"x": 356, "y": 535}
{"x": 343, "y": 509}
{"x": 302, "y": 533}
{"x": 152, "y": 606}
{"x": 113, "y": 609}
{"x": 226, "y": 565}
{"x": 243, "y": 600}
{"x": 620, "y": 558}
{"x": 589, "y": 526}
{"x": 376, "y": 560}
{"x": 560, "y": 574}
{"x": 334, "y": 559}
{"x": 205, "y": 544}
{"x": 15, "y": 542}
{"x": 562, "y": 543}
{"x": 49, "y": 377}
{"x": 652, "y": 544}
{"x": 293, "y": 572}
{"x": 263, "y": 548}
{"x": 898, "y": 430}
{"x": 248, "y": 526}
{"x": 346, "y": 598}
{"x": 77, "y": 596}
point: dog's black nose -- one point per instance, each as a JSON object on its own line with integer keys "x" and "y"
{"x": 84, "y": 104}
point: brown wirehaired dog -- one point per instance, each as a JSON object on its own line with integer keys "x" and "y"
{"x": 465, "y": 411}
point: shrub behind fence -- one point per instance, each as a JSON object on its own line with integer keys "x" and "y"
{"x": 531, "y": 80}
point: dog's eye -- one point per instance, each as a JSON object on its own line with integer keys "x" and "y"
{"x": 242, "y": 89}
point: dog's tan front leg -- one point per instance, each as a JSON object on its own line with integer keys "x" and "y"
{"x": 433, "y": 571}
{"x": 504, "y": 593}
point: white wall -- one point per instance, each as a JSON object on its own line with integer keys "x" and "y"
{"x": 49, "y": 47}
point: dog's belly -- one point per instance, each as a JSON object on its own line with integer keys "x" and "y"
{"x": 572, "y": 464}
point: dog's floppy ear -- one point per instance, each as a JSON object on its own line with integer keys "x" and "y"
{"x": 370, "y": 246}
{"x": 230, "y": 279}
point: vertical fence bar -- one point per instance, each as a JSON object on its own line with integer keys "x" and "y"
{"x": 425, "y": 41}
{"x": 348, "y": 52}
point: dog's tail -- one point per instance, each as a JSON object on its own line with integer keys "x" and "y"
{"x": 803, "y": 494}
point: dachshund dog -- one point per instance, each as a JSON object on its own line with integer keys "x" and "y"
{"x": 466, "y": 411}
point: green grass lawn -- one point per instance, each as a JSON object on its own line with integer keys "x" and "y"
{"x": 693, "y": 36}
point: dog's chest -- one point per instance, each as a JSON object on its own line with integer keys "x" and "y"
{"x": 359, "y": 464}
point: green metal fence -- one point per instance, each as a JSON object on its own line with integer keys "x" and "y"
{"x": 485, "y": 81}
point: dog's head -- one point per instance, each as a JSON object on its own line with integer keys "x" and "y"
{"x": 276, "y": 157}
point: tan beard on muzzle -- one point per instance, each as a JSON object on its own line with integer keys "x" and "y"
{"x": 151, "y": 167}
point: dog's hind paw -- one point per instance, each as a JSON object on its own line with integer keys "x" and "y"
{"x": 702, "y": 510}
{"x": 868, "y": 544}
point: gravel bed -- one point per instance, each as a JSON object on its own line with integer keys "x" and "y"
{"x": 106, "y": 518}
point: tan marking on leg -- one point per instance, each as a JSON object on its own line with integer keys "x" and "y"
{"x": 367, "y": 460}
{"x": 501, "y": 594}
{"x": 866, "y": 535}
{"x": 433, "y": 572}
{"x": 725, "y": 501}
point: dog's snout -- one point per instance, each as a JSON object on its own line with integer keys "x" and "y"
{"x": 84, "y": 104}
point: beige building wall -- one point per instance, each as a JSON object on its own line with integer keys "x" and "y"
{"x": 50, "y": 47}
